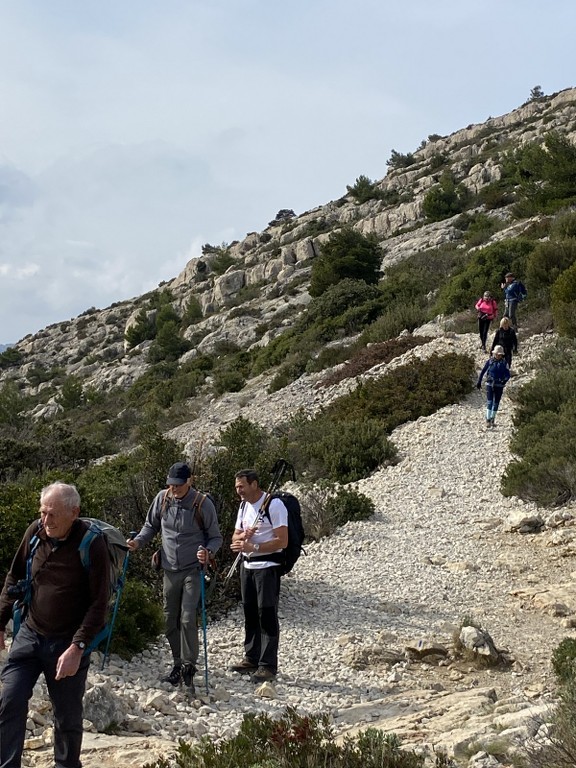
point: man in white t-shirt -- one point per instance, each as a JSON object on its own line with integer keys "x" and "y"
{"x": 260, "y": 535}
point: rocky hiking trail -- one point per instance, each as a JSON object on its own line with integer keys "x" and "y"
{"x": 364, "y": 605}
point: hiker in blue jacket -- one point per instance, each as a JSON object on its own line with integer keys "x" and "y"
{"x": 187, "y": 521}
{"x": 514, "y": 292}
{"x": 497, "y": 374}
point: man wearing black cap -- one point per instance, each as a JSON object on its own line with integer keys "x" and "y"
{"x": 190, "y": 533}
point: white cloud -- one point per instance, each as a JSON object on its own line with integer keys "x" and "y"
{"x": 134, "y": 132}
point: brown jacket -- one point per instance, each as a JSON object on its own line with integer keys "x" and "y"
{"x": 68, "y": 600}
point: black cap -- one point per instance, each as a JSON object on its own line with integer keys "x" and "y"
{"x": 178, "y": 473}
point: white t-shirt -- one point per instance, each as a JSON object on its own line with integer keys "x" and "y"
{"x": 248, "y": 516}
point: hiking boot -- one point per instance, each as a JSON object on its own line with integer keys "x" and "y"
{"x": 188, "y": 672}
{"x": 245, "y": 667}
{"x": 263, "y": 675}
{"x": 174, "y": 677}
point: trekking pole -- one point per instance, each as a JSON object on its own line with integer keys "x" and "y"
{"x": 203, "y": 601}
{"x": 117, "y": 601}
{"x": 278, "y": 471}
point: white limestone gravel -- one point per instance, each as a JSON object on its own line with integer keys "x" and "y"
{"x": 437, "y": 550}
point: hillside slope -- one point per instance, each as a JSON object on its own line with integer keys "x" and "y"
{"x": 443, "y": 545}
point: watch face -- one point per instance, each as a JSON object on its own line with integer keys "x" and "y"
{"x": 81, "y": 645}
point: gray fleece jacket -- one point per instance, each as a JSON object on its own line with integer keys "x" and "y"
{"x": 177, "y": 521}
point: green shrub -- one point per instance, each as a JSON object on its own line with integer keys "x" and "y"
{"x": 398, "y": 160}
{"x": 545, "y": 474}
{"x": 12, "y": 404}
{"x": 563, "y": 226}
{"x": 545, "y": 174}
{"x": 19, "y": 506}
{"x": 478, "y": 228}
{"x": 563, "y": 302}
{"x": 139, "y": 620}
{"x": 10, "y": 357}
{"x": 228, "y": 381}
{"x": 497, "y": 194}
{"x": 546, "y": 263}
{"x": 346, "y": 254}
{"x": 348, "y": 505}
{"x": 293, "y": 741}
{"x": 445, "y": 199}
{"x": 329, "y": 357}
{"x": 364, "y": 189}
{"x": 71, "y": 395}
{"x": 402, "y": 317}
{"x": 407, "y": 392}
{"x": 222, "y": 260}
{"x": 141, "y": 330}
{"x": 192, "y": 313}
{"x": 367, "y": 357}
{"x": 325, "y": 506}
{"x": 563, "y": 661}
{"x": 345, "y": 307}
{"x": 545, "y": 437}
{"x": 338, "y": 450}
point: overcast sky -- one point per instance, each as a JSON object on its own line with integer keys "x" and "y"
{"x": 134, "y": 131}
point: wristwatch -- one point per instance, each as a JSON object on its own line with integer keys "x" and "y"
{"x": 256, "y": 547}
{"x": 80, "y": 644}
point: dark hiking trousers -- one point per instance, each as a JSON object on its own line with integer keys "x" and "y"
{"x": 260, "y": 593}
{"x": 30, "y": 655}
{"x": 483, "y": 328}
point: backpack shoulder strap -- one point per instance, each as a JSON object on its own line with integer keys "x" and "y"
{"x": 84, "y": 547}
{"x": 197, "y": 507}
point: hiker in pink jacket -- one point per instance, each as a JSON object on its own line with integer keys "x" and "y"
{"x": 487, "y": 309}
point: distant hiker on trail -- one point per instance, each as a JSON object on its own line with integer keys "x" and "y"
{"x": 187, "y": 521}
{"x": 257, "y": 536}
{"x": 506, "y": 337}
{"x": 514, "y": 292}
{"x": 497, "y": 374}
{"x": 487, "y": 309}
{"x": 68, "y": 607}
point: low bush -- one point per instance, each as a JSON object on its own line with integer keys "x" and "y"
{"x": 445, "y": 199}
{"x": 19, "y": 508}
{"x": 546, "y": 264}
{"x": 364, "y": 189}
{"x": 228, "y": 381}
{"x": 344, "y": 308}
{"x": 338, "y": 450}
{"x": 294, "y": 741}
{"x": 139, "y": 620}
{"x": 558, "y": 748}
{"x": 404, "y": 316}
{"x": 545, "y": 438}
{"x": 376, "y": 354}
{"x": 564, "y": 661}
{"x": 327, "y": 506}
{"x": 349, "y": 505}
{"x": 407, "y": 392}
{"x": 10, "y": 357}
{"x": 564, "y": 301}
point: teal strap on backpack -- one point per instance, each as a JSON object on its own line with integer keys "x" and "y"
{"x": 20, "y": 607}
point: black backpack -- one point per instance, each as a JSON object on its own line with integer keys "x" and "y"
{"x": 288, "y": 557}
